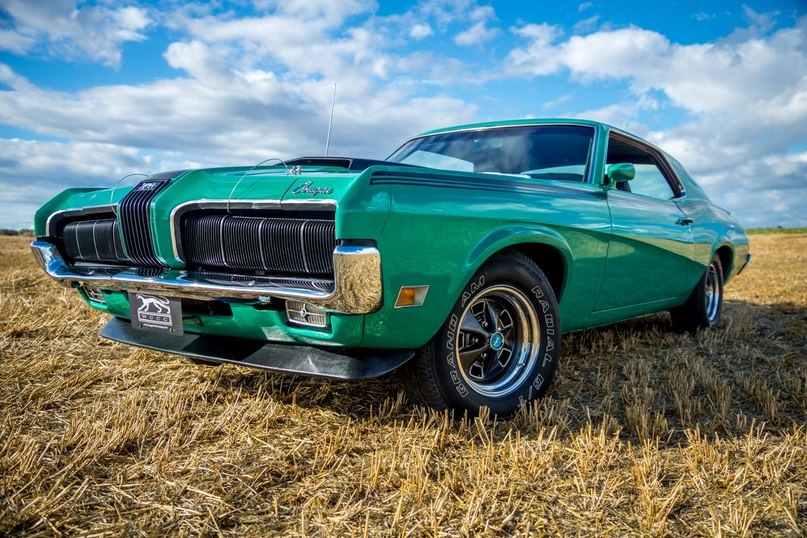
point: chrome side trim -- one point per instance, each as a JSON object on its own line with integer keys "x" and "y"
{"x": 193, "y": 205}
{"x": 357, "y": 285}
{"x": 56, "y": 216}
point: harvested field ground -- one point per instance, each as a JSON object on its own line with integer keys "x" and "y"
{"x": 645, "y": 432}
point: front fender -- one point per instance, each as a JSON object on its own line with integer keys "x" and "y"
{"x": 524, "y": 238}
{"x": 414, "y": 327}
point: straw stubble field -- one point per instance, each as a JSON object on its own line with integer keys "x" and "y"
{"x": 644, "y": 432}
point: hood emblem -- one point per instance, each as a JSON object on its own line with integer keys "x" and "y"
{"x": 308, "y": 188}
{"x": 148, "y": 186}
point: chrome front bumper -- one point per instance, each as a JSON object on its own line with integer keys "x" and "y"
{"x": 356, "y": 287}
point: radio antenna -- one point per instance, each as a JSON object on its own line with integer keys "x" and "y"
{"x": 330, "y": 121}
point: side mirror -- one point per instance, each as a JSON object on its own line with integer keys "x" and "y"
{"x": 618, "y": 172}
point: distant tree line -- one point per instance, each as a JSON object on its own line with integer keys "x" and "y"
{"x": 27, "y": 232}
{"x": 777, "y": 230}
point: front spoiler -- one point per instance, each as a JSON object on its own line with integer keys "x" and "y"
{"x": 356, "y": 287}
{"x": 292, "y": 359}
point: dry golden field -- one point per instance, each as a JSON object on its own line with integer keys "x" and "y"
{"x": 645, "y": 432}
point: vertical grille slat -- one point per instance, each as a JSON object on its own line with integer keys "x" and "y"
{"x": 287, "y": 246}
{"x": 135, "y": 219}
{"x": 94, "y": 241}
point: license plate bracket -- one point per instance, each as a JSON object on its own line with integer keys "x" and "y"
{"x": 155, "y": 313}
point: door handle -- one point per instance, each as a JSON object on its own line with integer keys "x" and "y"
{"x": 685, "y": 221}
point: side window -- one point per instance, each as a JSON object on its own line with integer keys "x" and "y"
{"x": 650, "y": 179}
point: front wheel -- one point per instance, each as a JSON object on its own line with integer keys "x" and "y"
{"x": 499, "y": 346}
{"x": 704, "y": 307}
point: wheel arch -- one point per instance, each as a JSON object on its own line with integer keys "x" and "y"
{"x": 726, "y": 255}
{"x": 550, "y": 260}
{"x": 546, "y": 248}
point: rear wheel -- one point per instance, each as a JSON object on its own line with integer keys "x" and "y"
{"x": 499, "y": 346}
{"x": 704, "y": 307}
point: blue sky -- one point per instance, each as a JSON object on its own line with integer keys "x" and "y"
{"x": 93, "y": 90}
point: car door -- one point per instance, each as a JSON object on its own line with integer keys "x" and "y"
{"x": 651, "y": 249}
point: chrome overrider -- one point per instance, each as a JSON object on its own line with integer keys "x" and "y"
{"x": 357, "y": 285}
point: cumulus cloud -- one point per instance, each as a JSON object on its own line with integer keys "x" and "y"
{"x": 586, "y": 25}
{"x": 32, "y": 171}
{"x": 420, "y": 31}
{"x": 258, "y": 84}
{"x": 477, "y": 34}
{"x": 216, "y": 115}
{"x": 333, "y": 12}
{"x": 746, "y": 96}
{"x": 69, "y": 30}
{"x": 700, "y": 77}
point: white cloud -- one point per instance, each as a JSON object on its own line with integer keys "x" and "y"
{"x": 700, "y": 78}
{"x": 15, "y": 41}
{"x": 554, "y": 103}
{"x": 201, "y": 61}
{"x": 70, "y": 30}
{"x": 702, "y": 16}
{"x": 446, "y": 12}
{"x": 258, "y": 86}
{"x": 745, "y": 97}
{"x": 586, "y": 25}
{"x": 333, "y": 12}
{"x": 477, "y": 34}
{"x": 420, "y": 31}
{"x": 218, "y": 115}
{"x": 540, "y": 56}
{"x": 483, "y": 14}
{"x": 737, "y": 90}
{"x": 90, "y": 163}
{"x": 31, "y": 172}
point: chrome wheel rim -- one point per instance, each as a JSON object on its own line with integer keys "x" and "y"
{"x": 712, "y": 293}
{"x": 497, "y": 341}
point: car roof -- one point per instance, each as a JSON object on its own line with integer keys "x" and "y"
{"x": 539, "y": 121}
{"x": 516, "y": 123}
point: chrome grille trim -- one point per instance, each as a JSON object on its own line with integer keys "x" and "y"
{"x": 52, "y": 225}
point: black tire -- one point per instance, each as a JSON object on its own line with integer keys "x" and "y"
{"x": 704, "y": 308}
{"x": 499, "y": 346}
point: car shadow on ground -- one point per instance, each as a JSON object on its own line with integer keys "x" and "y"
{"x": 639, "y": 376}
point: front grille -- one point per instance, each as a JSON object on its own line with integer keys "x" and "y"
{"x": 282, "y": 246}
{"x": 134, "y": 215}
{"x": 94, "y": 241}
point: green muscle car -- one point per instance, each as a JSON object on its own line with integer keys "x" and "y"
{"x": 460, "y": 260}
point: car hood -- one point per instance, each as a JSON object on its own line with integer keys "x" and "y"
{"x": 303, "y": 183}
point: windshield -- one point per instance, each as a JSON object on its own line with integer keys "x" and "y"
{"x": 544, "y": 152}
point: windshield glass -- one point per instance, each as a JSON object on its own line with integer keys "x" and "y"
{"x": 543, "y": 152}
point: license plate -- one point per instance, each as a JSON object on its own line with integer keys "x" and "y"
{"x": 155, "y": 313}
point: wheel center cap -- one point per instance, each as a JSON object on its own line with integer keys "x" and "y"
{"x": 496, "y": 341}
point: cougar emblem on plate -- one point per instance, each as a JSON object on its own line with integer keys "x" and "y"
{"x": 156, "y": 305}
